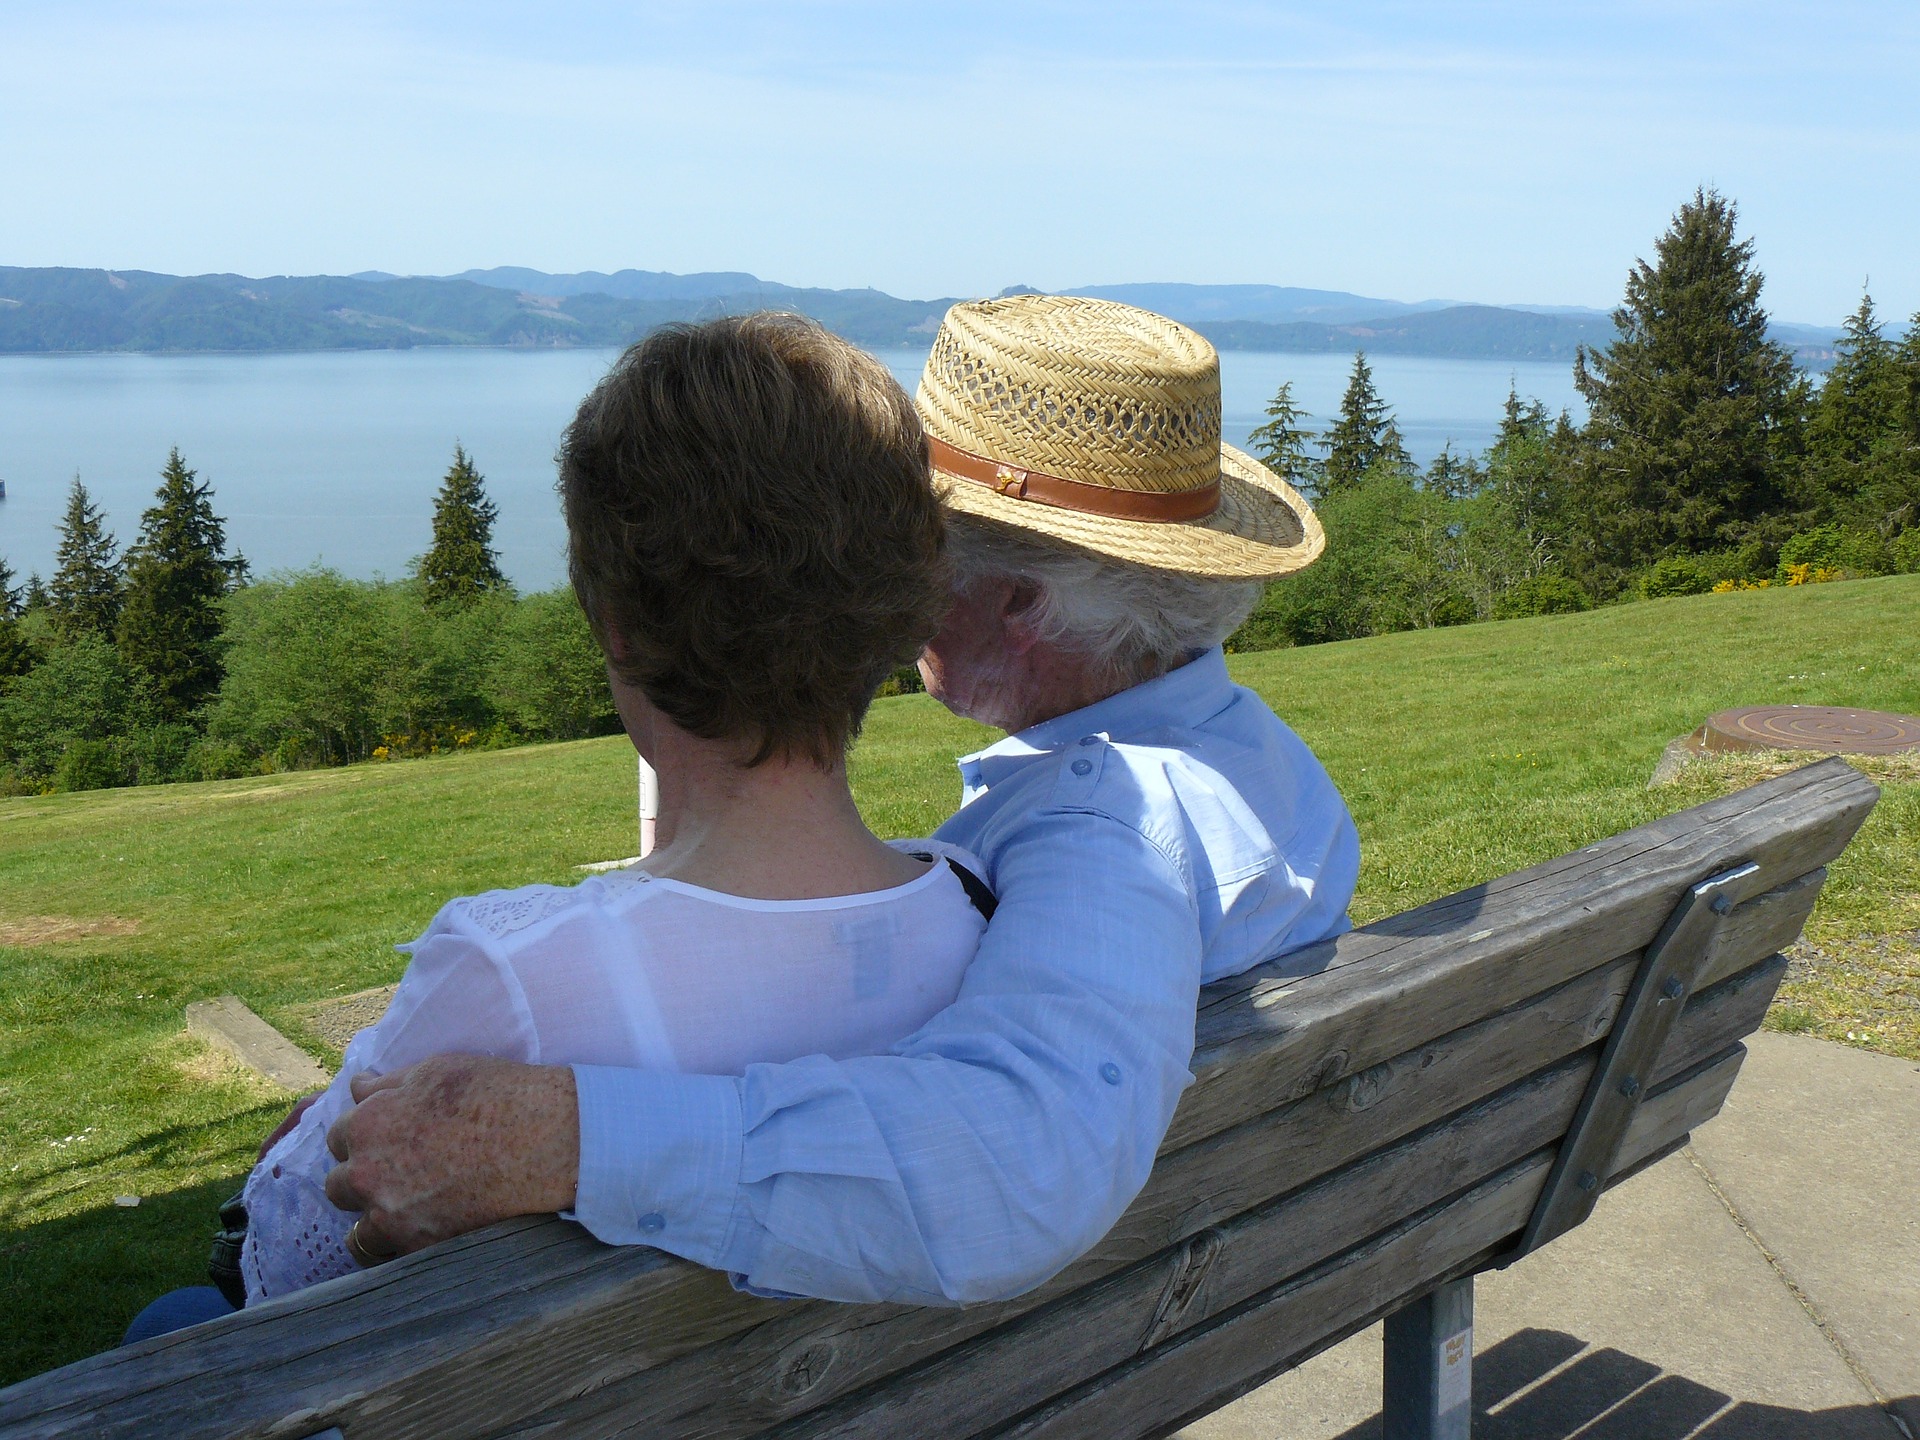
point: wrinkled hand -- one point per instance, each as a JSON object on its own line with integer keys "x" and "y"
{"x": 300, "y": 1107}
{"x": 452, "y": 1144}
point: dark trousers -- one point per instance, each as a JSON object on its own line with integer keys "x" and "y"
{"x": 176, "y": 1310}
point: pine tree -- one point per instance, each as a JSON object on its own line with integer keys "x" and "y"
{"x": 462, "y": 563}
{"x": 1363, "y": 436}
{"x": 85, "y": 594}
{"x": 177, "y": 576}
{"x": 16, "y": 656}
{"x": 12, "y": 597}
{"x": 1453, "y": 478}
{"x": 1860, "y": 400}
{"x": 1693, "y": 411}
{"x": 1281, "y": 443}
{"x": 1906, "y": 365}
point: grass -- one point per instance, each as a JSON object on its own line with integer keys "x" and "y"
{"x": 1463, "y": 753}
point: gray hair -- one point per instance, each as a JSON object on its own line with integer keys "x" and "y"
{"x": 1132, "y": 622}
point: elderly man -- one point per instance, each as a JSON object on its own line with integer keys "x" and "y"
{"x": 1147, "y": 825}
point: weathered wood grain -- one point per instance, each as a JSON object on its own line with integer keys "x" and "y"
{"x": 1273, "y": 1330}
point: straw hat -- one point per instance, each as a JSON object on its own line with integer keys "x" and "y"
{"x": 1097, "y": 426}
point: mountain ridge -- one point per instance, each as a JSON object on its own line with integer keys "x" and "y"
{"x": 65, "y": 310}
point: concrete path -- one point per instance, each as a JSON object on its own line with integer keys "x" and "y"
{"x": 1764, "y": 1284}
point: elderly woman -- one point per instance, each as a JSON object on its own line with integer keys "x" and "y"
{"x": 754, "y": 538}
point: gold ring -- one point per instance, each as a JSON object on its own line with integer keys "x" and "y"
{"x": 357, "y": 1248}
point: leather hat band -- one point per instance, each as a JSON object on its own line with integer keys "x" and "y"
{"x": 1018, "y": 484}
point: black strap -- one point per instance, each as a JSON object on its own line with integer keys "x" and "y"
{"x": 977, "y": 892}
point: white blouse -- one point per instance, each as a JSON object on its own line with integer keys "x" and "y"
{"x": 629, "y": 970}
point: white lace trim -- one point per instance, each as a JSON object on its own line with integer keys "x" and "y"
{"x": 295, "y": 1237}
{"x": 501, "y": 912}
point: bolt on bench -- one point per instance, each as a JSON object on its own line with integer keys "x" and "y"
{"x": 1375, "y": 1119}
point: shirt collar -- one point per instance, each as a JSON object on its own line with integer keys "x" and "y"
{"x": 1189, "y": 695}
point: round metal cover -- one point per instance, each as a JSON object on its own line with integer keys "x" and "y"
{"x": 1811, "y": 727}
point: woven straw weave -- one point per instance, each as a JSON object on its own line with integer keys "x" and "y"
{"x": 1106, "y": 394}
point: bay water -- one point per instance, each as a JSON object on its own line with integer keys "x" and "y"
{"x": 334, "y": 457}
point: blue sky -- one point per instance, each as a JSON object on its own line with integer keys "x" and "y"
{"x": 1513, "y": 153}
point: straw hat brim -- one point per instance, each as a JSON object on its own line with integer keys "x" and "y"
{"x": 1263, "y": 528}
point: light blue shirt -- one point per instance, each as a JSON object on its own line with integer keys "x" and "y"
{"x": 1175, "y": 833}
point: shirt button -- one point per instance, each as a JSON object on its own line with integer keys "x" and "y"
{"x": 1110, "y": 1073}
{"x": 652, "y": 1223}
{"x": 1082, "y": 767}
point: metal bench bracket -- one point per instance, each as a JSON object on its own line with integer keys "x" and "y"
{"x": 1654, "y": 1001}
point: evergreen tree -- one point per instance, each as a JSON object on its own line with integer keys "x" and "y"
{"x": 176, "y": 578}
{"x": 1452, "y": 478}
{"x": 1694, "y": 412}
{"x": 1860, "y": 400}
{"x": 1526, "y": 492}
{"x": 1906, "y": 366}
{"x": 16, "y": 656}
{"x": 462, "y": 563}
{"x": 1362, "y": 436}
{"x": 37, "y": 596}
{"x": 85, "y": 594}
{"x": 1281, "y": 443}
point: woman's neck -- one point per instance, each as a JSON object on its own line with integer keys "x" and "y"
{"x": 781, "y": 830}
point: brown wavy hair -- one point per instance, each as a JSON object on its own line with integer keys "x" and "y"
{"x": 750, "y": 514}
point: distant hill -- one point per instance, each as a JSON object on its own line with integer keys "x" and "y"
{"x": 1458, "y": 332}
{"x": 43, "y": 311}
{"x": 1273, "y": 304}
{"x": 63, "y": 310}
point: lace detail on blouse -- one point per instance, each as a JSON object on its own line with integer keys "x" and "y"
{"x": 501, "y": 912}
{"x": 287, "y": 1201}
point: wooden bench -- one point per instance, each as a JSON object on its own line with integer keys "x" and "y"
{"x": 1375, "y": 1120}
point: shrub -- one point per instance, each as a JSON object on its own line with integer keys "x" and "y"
{"x": 1749, "y": 561}
{"x": 1905, "y": 551}
{"x": 91, "y": 765}
{"x": 904, "y": 681}
{"x": 81, "y": 691}
{"x": 547, "y": 677}
{"x": 1850, "y": 553}
{"x": 1544, "y": 595}
{"x": 303, "y": 656}
{"x": 1675, "y": 575}
{"x": 218, "y": 760}
{"x": 156, "y": 754}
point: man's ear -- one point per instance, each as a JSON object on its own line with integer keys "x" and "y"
{"x": 1019, "y": 634}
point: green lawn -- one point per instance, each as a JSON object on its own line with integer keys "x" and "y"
{"x": 1464, "y": 753}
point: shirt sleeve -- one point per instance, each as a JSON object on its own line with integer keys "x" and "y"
{"x": 986, "y": 1152}
{"x": 457, "y": 996}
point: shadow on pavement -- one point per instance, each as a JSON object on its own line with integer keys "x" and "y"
{"x": 1546, "y": 1385}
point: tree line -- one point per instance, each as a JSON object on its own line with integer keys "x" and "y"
{"x": 169, "y": 661}
{"x": 1707, "y": 461}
